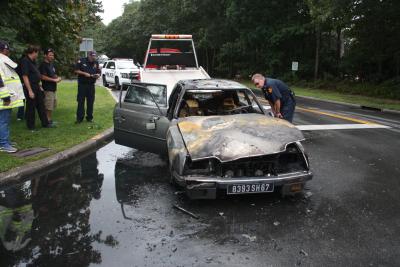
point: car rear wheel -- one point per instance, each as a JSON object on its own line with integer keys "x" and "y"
{"x": 105, "y": 84}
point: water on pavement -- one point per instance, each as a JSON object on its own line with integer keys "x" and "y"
{"x": 115, "y": 208}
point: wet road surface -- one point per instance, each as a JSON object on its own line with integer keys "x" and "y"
{"x": 115, "y": 208}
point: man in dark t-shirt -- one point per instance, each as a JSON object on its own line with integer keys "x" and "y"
{"x": 32, "y": 88}
{"x": 49, "y": 82}
{"x": 278, "y": 94}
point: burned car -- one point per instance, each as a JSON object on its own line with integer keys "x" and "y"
{"x": 217, "y": 136}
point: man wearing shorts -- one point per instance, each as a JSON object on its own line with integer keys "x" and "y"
{"x": 49, "y": 82}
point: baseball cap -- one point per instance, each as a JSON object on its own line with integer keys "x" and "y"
{"x": 4, "y": 45}
{"x": 92, "y": 53}
{"x": 48, "y": 50}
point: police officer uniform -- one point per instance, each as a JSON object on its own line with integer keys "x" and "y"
{"x": 273, "y": 90}
{"x": 86, "y": 88}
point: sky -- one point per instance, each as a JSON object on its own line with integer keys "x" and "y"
{"x": 112, "y": 9}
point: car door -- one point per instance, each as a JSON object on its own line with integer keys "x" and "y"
{"x": 110, "y": 72}
{"x": 140, "y": 118}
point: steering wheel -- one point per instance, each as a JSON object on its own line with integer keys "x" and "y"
{"x": 242, "y": 109}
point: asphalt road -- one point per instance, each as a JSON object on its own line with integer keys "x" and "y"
{"x": 115, "y": 208}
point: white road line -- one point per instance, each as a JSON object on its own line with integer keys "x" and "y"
{"x": 319, "y": 127}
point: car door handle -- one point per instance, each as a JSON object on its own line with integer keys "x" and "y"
{"x": 154, "y": 119}
{"x": 120, "y": 119}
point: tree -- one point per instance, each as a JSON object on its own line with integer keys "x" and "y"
{"x": 48, "y": 23}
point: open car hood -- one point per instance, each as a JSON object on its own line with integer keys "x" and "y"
{"x": 236, "y": 136}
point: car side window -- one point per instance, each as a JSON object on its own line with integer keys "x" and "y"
{"x": 105, "y": 65}
{"x": 243, "y": 98}
{"x": 111, "y": 65}
{"x": 141, "y": 95}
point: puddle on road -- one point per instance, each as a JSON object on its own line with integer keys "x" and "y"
{"x": 115, "y": 208}
{"x": 117, "y": 204}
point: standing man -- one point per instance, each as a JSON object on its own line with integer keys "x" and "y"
{"x": 11, "y": 96}
{"x": 49, "y": 83}
{"x": 33, "y": 90}
{"x": 88, "y": 72}
{"x": 278, "y": 94}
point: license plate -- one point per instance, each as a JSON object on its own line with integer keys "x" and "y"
{"x": 250, "y": 188}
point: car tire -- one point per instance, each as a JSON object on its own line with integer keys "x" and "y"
{"x": 105, "y": 84}
{"x": 117, "y": 85}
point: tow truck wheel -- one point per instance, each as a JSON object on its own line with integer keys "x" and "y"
{"x": 105, "y": 84}
{"x": 117, "y": 85}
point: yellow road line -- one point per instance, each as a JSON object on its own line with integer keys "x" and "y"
{"x": 335, "y": 115}
{"x": 312, "y": 110}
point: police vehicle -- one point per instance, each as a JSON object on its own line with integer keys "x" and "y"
{"x": 119, "y": 72}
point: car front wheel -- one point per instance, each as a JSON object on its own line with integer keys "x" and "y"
{"x": 105, "y": 84}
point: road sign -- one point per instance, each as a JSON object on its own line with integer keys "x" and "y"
{"x": 295, "y": 66}
{"x": 86, "y": 45}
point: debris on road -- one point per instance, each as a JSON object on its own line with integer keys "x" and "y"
{"x": 302, "y": 252}
{"x": 308, "y": 195}
{"x": 187, "y": 212}
{"x": 250, "y": 238}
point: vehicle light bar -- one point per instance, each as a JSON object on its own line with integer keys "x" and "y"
{"x": 171, "y": 36}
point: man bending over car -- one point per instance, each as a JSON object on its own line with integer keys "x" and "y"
{"x": 278, "y": 94}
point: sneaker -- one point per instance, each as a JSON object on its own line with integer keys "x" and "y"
{"x": 78, "y": 122}
{"x": 8, "y": 149}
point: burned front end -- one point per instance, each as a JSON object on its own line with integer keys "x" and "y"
{"x": 238, "y": 154}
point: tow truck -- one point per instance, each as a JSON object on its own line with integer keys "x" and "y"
{"x": 169, "y": 59}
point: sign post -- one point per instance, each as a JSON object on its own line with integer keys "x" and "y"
{"x": 295, "y": 67}
{"x": 86, "y": 45}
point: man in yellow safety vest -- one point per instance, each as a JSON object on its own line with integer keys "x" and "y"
{"x": 11, "y": 96}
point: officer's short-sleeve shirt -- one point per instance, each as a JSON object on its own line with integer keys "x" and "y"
{"x": 86, "y": 66}
{"x": 276, "y": 89}
{"x": 29, "y": 68}
{"x": 48, "y": 70}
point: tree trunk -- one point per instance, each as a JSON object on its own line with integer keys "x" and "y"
{"x": 207, "y": 60}
{"x": 338, "y": 49}
{"x": 317, "y": 48}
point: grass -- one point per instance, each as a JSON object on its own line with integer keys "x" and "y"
{"x": 67, "y": 134}
{"x": 382, "y": 103}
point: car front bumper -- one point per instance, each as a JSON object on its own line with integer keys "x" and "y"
{"x": 202, "y": 187}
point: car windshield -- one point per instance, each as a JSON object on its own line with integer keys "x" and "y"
{"x": 126, "y": 65}
{"x": 202, "y": 102}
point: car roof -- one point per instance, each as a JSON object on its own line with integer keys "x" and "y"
{"x": 211, "y": 84}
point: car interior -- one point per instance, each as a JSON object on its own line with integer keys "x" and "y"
{"x": 216, "y": 102}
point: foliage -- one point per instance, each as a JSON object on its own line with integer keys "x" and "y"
{"x": 331, "y": 39}
{"x": 48, "y": 23}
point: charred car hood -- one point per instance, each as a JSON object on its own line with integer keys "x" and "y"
{"x": 236, "y": 136}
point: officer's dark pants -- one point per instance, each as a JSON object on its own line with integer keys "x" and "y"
{"x": 85, "y": 91}
{"x": 35, "y": 104}
{"x": 287, "y": 110}
{"x": 21, "y": 112}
